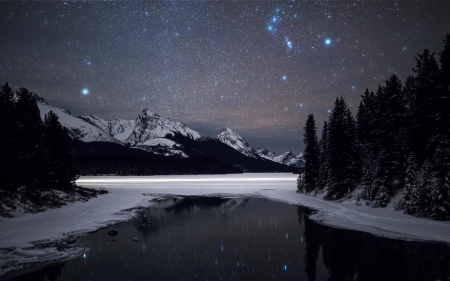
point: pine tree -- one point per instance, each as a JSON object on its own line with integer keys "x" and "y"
{"x": 423, "y": 123}
{"x": 425, "y": 181}
{"x": 382, "y": 198}
{"x": 59, "y": 157}
{"x": 411, "y": 196}
{"x": 341, "y": 151}
{"x": 444, "y": 59}
{"x": 311, "y": 155}
{"x": 8, "y": 139}
{"x": 440, "y": 195}
{"x": 365, "y": 142}
{"x": 324, "y": 166}
{"x": 442, "y": 101}
{"x": 388, "y": 123}
{"x": 30, "y": 144}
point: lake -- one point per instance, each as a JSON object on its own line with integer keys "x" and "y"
{"x": 212, "y": 238}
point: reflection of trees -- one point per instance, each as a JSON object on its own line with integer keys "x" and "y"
{"x": 312, "y": 241}
{"x": 352, "y": 255}
{"x": 50, "y": 273}
{"x": 224, "y": 206}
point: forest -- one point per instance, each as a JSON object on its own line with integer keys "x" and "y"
{"x": 397, "y": 145}
{"x": 39, "y": 162}
{"x": 37, "y": 168}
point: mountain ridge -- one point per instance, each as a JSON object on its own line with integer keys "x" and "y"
{"x": 166, "y": 137}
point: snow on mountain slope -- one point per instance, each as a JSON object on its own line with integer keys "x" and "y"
{"x": 150, "y": 125}
{"x": 120, "y": 129}
{"x": 286, "y": 158}
{"x": 78, "y": 128}
{"x": 234, "y": 140}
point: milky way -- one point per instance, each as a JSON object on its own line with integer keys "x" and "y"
{"x": 257, "y": 67}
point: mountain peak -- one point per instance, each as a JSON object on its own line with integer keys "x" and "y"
{"x": 287, "y": 158}
{"x": 233, "y": 139}
{"x": 148, "y": 113}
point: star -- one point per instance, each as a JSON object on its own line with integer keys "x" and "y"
{"x": 284, "y": 77}
{"x": 327, "y": 41}
{"x": 85, "y": 91}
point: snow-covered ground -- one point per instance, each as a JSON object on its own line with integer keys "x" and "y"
{"x": 29, "y": 238}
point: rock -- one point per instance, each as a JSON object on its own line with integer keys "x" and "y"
{"x": 113, "y": 232}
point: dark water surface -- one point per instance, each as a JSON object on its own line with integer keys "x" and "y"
{"x": 244, "y": 239}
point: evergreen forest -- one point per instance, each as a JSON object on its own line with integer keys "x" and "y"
{"x": 37, "y": 169}
{"x": 397, "y": 145}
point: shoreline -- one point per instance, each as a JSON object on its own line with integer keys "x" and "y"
{"x": 21, "y": 236}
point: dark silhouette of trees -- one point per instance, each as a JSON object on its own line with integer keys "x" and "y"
{"x": 311, "y": 156}
{"x": 60, "y": 160}
{"x": 34, "y": 154}
{"x": 400, "y": 142}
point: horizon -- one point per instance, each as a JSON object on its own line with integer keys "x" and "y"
{"x": 258, "y": 68}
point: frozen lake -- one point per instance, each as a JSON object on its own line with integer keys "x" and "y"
{"x": 202, "y": 238}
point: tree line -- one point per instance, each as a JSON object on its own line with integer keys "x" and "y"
{"x": 399, "y": 141}
{"x": 34, "y": 153}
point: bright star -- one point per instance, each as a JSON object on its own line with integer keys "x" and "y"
{"x": 85, "y": 91}
{"x": 288, "y": 42}
{"x": 284, "y": 77}
{"x": 270, "y": 28}
{"x": 328, "y": 41}
{"x": 274, "y": 19}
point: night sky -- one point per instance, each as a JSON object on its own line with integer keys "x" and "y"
{"x": 258, "y": 67}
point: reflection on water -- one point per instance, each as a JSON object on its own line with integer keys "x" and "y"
{"x": 244, "y": 239}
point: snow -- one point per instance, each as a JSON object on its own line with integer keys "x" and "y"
{"x": 119, "y": 128}
{"x": 160, "y": 142}
{"x": 24, "y": 232}
{"x": 286, "y": 158}
{"x": 149, "y": 125}
{"x": 234, "y": 140}
{"x": 78, "y": 128}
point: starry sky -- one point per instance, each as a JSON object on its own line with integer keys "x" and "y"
{"x": 257, "y": 67}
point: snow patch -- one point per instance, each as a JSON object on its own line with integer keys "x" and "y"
{"x": 234, "y": 140}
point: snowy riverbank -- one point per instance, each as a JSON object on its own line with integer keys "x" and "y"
{"x": 30, "y": 238}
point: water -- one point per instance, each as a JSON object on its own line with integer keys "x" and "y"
{"x": 244, "y": 239}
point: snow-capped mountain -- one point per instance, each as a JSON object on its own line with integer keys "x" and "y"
{"x": 78, "y": 129}
{"x": 233, "y": 139}
{"x": 162, "y": 136}
{"x": 150, "y": 126}
{"x": 287, "y": 158}
{"x": 120, "y": 129}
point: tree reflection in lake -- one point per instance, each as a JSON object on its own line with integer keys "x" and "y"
{"x": 244, "y": 239}
{"x": 352, "y": 255}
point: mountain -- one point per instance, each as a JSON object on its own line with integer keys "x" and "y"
{"x": 152, "y": 136}
{"x": 287, "y": 158}
{"x": 78, "y": 128}
{"x": 148, "y": 131}
{"x": 94, "y": 158}
{"x": 120, "y": 129}
{"x": 150, "y": 126}
{"x": 234, "y": 140}
{"x": 212, "y": 147}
